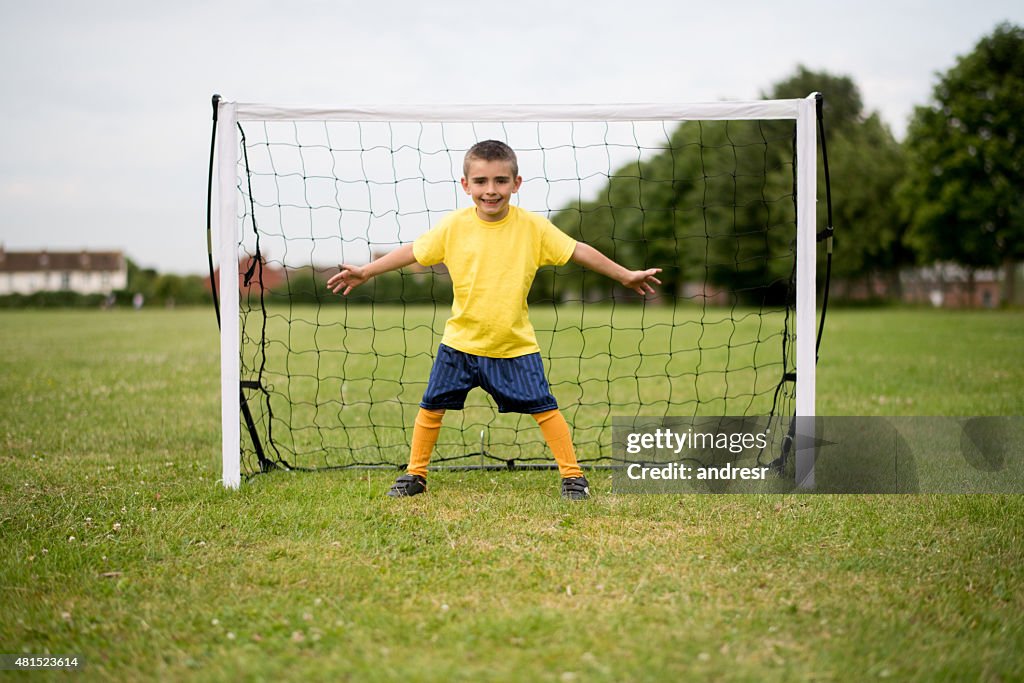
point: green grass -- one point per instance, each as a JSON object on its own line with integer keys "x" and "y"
{"x": 109, "y": 428}
{"x": 922, "y": 362}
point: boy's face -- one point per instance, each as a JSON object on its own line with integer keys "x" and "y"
{"x": 491, "y": 185}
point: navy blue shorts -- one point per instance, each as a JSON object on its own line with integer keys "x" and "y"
{"x": 518, "y": 385}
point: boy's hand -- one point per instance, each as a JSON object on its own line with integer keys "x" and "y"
{"x": 348, "y": 278}
{"x": 640, "y": 281}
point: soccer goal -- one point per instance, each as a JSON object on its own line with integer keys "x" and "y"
{"x": 721, "y": 196}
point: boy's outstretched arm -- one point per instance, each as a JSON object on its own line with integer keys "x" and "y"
{"x": 350, "y": 277}
{"x": 637, "y": 280}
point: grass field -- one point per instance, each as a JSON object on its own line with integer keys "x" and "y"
{"x": 121, "y": 546}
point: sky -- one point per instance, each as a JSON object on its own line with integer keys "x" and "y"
{"x": 106, "y": 110}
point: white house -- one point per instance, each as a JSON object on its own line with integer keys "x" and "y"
{"x": 84, "y": 272}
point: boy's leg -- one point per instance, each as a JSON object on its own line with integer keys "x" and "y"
{"x": 424, "y": 437}
{"x": 556, "y": 433}
{"x": 451, "y": 377}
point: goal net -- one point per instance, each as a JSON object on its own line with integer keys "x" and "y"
{"x": 719, "y": 195}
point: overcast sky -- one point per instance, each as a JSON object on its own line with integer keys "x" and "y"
{"x": 106, "y": 104}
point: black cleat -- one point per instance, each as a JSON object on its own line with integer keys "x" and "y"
{"x": 408, "y": 485}
{"x": 575, "y": 488}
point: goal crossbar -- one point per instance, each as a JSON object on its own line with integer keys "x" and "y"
{"x": 701, "y": 111}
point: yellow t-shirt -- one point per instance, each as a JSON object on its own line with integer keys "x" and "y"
{"x": 492, "y": 266}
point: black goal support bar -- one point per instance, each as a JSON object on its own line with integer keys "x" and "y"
{"x": 825, "y": 234}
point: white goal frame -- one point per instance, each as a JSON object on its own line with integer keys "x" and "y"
{"x": 803, "y": 111}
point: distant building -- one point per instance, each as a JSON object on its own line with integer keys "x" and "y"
{"x": 253, "y": 275}
{"x": 941, "y": 285}
{"x": 950, "y": 285}
{"x": 84, "y": 272}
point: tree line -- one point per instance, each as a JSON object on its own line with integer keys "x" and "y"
{"x": 715, "y": 208}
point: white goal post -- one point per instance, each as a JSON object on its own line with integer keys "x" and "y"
{"x": 229, "y": 114}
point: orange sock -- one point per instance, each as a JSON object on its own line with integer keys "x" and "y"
{"x": 424, "y": 435}
{"x": 556, "y": 432}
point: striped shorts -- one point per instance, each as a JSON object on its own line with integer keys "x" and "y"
{"x": 518, "y": 385}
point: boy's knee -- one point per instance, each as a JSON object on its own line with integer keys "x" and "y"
{"x": 429, "y": 418}
{"x": 543, "y": 417}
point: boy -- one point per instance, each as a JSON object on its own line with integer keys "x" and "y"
{"x": 492, "y": 251}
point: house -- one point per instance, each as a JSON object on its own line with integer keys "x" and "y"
{"x": 83, "y": 272}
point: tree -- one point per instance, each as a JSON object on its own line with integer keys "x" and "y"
{"x": 843, "y": 106}
{"x": 171, "y": 289}
{"x": 865, "y": 163}
{"x": 689, "y": 208}
{"x": 140, "y": 281}
{"x": 962, "y": 193}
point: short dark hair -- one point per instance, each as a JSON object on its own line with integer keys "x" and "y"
{"x": 491, "y": 150}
